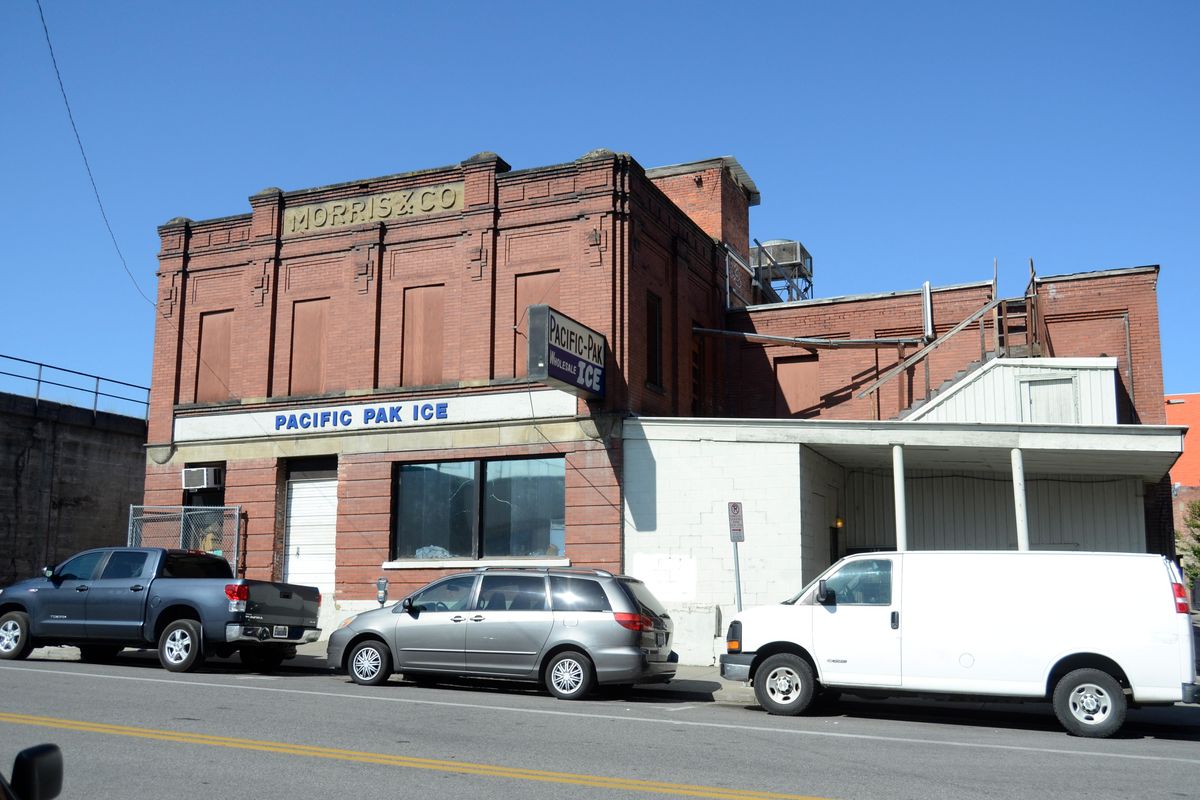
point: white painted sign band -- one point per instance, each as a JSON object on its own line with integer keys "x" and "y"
{"x": 390, "y": 415}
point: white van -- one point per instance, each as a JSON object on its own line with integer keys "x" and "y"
{"x": 1093, "y": 632}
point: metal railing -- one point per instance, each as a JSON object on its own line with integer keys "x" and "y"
{"x": 1004, "y": 312}
{"x": 213, "y": 529}
{"x": 936, "y": 343}
{"x": 97, "y": 389}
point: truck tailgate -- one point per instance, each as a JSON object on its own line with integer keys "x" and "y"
{"x": 282, "y": 604}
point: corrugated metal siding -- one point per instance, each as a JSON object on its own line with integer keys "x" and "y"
{"x": 993, "y": 394}
{"x": 975, "y": 512}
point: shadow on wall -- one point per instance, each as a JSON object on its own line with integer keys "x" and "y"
{"x": 642, "y": 503}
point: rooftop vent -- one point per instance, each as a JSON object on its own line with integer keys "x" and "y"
{"x": 783, "y": 269}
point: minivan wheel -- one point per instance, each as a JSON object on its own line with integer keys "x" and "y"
{"x": 569, "y": 675}
{"x": 15, "y": 643}
{"x": 784, "y": 684}
{"x": 1090, "y": 702}
{"x": 369, "y": 663}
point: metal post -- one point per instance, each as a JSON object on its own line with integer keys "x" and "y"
{"x": 898, "y": 490}
{"x": 37, "y": 391}
{"x": 737, "y": 578}
{"x": 1018, "y": 476}
{"x": 96, "y": 398}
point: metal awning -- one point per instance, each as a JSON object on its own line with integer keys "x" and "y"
{"x": 1144, "y": 451}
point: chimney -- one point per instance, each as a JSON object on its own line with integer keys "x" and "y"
{"x": 716, "y": 194}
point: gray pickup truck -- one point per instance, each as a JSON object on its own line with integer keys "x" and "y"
{"x": 187, "y": 603}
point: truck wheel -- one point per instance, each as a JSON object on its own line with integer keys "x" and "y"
{"x": 181, "y": 648}
{"x": 1090, "y": 702}
{"x": 262, "y": 659}
{"x": 569, "y": 675}
{"x": 784, "y": 684}
{"x": 15, "y": 642}
{"x": 98, "y": 653}
{"x": 370, "y": 663}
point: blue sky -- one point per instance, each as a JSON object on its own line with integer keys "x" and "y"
{"x": 901, "y": 142}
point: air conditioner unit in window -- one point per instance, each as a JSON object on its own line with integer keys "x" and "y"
{"x": 202, "y": 478}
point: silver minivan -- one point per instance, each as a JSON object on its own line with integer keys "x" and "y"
{"x": 569, "y": 629}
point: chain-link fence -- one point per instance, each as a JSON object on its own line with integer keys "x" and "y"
{"x": 214, "y": 529}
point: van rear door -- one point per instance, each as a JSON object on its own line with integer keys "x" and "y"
{"x": 857, "y": 629}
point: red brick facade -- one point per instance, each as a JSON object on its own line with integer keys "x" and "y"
{"x": 596, "y": 229}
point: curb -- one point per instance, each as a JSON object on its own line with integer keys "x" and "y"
{"x": 692, "y": 683}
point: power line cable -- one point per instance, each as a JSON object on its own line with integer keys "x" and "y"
{"x": 87, "y": 166}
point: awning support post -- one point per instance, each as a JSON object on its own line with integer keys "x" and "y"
{"x": 898, "y": 491}
{"x": 1018, "y": 476}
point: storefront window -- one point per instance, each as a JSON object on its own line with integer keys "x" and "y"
{"x": 523, "y": 508}
{"x": 435, "y": 510}
{"x": 474, "y": 509}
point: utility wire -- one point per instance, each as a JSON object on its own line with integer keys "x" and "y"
{"x": 83, "y": 153}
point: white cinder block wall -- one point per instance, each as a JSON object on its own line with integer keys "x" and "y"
{"x": 677, "y": 530}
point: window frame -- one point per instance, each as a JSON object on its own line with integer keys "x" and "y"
{"x": 478, "y": 512}
{"x": 654, "y": 341}
{"x": 101, "y": 560}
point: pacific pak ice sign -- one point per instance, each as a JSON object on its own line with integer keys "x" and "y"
{"x": 564, "y": 353}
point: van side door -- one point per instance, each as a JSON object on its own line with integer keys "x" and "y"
{"x": 857, "y": 628}
{"x": 509, "y": 625}
{"x": 433, "y": 634}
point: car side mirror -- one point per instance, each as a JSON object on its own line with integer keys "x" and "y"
{"x": 407, "y": 604}
{"x": 825, "y": 595}
{"x": 48, "y": 572}
{"x": 37, "y": 772}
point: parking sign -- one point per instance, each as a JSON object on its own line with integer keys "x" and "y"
{"x": 737, "y": 533}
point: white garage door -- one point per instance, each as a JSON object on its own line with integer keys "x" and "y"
{"x": 310, "y": 553}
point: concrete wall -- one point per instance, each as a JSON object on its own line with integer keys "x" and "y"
{"x": 66, "y": 483}
{"x": 677, "y": 530}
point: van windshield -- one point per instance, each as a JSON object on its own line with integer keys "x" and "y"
{"x": 792, "y": 600}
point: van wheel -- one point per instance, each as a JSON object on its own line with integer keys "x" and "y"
{"x": 784, "y": 684}
{"x": 1090, "y": 702}
{"x": 15, "y": 642}
{"x": 569, "y": 675}
{"x": 369, "y": 663}
{"x": 181, "y": 647}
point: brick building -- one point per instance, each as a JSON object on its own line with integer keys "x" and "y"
{"x": 353, "y": 360}
{"x": 1184, "y": 409}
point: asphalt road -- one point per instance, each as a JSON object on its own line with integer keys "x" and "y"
{"x": 133, "y": 730}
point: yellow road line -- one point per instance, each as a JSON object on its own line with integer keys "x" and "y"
{"x": 440, "y": 765}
